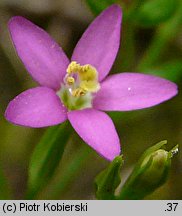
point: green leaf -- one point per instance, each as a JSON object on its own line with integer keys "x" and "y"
{"x": 108, "y": 180}
{"x": 150, "y": 172}
{"x": 154, "y": 12}
{"x": 46, "y": 158}
{"x": 98, "y": 6}
{"x": 4, "y": 187}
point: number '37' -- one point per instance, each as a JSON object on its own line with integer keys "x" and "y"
{"x": 172, "y": 206}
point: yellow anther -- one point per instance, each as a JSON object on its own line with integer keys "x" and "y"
{"x": 87, "y": 77}
{"x": 73, "y": 67}
{"x": 90, "y": 86}
{"x": 70, "y": 80}
{"x": 84, "y": 68}
{"x": 88, "y": 73}
{"x": 78, "y": 92}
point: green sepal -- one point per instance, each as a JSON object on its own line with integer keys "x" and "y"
{"x": 46, "y": 157}
{"x": 108, "y": 180}
{"x": 150, "y": 172}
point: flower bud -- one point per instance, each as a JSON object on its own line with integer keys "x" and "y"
{"x": 156, "y": 167}
{"x": 150, "y": 172}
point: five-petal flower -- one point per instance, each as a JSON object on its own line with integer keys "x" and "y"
{"x": 79, "y": 91}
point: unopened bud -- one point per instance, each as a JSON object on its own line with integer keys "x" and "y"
{"x": 150, "y": 172}
{"x": 155, "y": 168}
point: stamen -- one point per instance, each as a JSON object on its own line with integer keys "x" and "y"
{"x": 73, "y": 67}
{"x": 80, "y": 82}
{"x": 78, "y": 92}
{"x": 87, "y": 78}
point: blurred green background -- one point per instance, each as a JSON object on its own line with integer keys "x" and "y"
{"x": 151, "y": 42}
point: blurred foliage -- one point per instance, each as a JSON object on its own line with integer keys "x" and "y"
{"x": 4, "y": 188}
{"x": 151, "y": 43}
{"x": 46, "y": 157}
{"x": 99, "y": 6}
{"x": 154, "y": 12}
{"x": 170, "y": 70}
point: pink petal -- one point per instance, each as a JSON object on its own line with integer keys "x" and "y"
{"x": 131, "y": 91}
{"x": 36, "y": 107}
{"x": 42, "y": 56}
{"x": 97, "y": 130}
{"x": 100, "y": 42}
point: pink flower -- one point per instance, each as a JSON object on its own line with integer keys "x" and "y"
{"x": 80, "y": 91}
